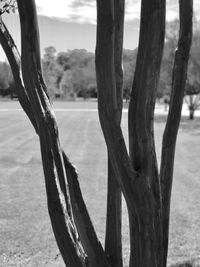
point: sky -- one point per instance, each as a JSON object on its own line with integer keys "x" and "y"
{"x": 71, "y": 24}
{"x": 84, "y": 11}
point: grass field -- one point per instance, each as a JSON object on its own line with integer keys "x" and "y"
{"x": 26, "y": 237}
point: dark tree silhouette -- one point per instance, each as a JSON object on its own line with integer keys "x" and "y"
{"x": 147, "y": 190}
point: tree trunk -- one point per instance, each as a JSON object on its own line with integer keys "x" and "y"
{"x": 55, "y": 163}
{"x": 113, "y": 240}
{"x": 141, "y": 205}
{"x": 147, "y": 193}
{"x": 113, "y": 245}
{"x": 58, "y": 199}
{"x": 170, "y": 134}
{"x": 146, "y": 233}
{"x": 192, "y": 110}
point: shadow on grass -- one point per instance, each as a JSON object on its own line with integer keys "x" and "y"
{"x": 192, "y": 263}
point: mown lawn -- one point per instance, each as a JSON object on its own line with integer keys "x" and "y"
{"x": 26, "y": 237}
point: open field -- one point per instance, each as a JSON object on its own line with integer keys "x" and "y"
{"x": 26, "y": 238}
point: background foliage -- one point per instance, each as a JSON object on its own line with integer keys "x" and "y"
{"x": 71, "y": 74}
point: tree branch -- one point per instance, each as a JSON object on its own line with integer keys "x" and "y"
{"x": 172, "y": 125}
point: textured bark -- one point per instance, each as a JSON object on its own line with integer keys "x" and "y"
{"x": 113, "y": 241}
{"x": 146, "y": 233}
{"x": 109, "y": 114}
{"x": 93, "y": 248}
{"x": 132, "y": 183}
{"x": 55, "y": 178}
{"x": 172, "y": 125}
{"x": 55, "y": 162}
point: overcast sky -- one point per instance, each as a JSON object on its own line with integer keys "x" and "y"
{"x": 70, "y": 24}
{"x": 85, "y": 10}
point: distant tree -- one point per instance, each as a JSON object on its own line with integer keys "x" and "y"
{"x": 135, "y": 174}
{"x": 82, "y": 66}
{"x": 49, "y": 55}
{"x": 92, "y": 89}
{"x": 66, "y": 85}
{"x": 192, "y": 88}
{"x": 63, "y": 60}
{"x": 6, "y": 77}
{"x": 52, "y": 71}
{"x": 192, "y": 97}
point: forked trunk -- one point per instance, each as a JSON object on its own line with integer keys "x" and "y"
{"x": 135, "y": 174}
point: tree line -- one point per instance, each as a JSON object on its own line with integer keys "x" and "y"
{"x": 71, "y": 74}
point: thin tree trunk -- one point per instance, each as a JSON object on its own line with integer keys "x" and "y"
{"x": 191, "y": 116}
{"x": 59, "y": 205}
{"x": 109, "y": 114}
{"x": 176, "y": 101}
{"x": 146, "y": 232}
{"x": 113, "y": 240}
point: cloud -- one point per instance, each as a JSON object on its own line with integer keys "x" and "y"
{"x": 79, "y": 3}
{"x": 171, "y": 10}
{"x": 132, "y": 10}
{"x": 72, "y": 10}
{"x": 81, "y": 11}
{"x": 58, "y": 8}
{"x": 84, "y": 11}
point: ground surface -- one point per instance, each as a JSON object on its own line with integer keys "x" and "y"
{"x": 26, "y": 237}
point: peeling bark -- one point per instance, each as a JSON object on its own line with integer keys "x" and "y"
{"x": 59, "y": 205}
{"x": 55, "y": 163}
